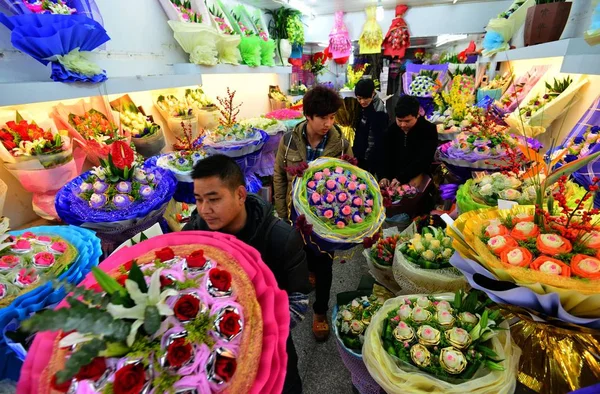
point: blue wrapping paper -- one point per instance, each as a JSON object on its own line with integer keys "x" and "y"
{"x": 44, "y": 296}
{"x": 83, "y": 7}
{"x": 43, "y": 36}
{"x": 503, "y": 292}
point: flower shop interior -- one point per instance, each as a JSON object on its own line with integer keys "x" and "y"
{"x": 483, "y": 277}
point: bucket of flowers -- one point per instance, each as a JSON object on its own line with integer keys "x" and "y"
{"x": 379, "y": 252}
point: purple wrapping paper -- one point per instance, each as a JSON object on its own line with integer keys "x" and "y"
{"x": 266, "y": 166}
{"x": 503, "y": 292}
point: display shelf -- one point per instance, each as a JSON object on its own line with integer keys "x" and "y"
{"x": 578, "y": 57}
{"x": 184, "y": 74}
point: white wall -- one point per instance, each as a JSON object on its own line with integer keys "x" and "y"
{"x": 422, "y": 21}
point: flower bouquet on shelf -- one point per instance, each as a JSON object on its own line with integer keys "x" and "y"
{"x": 277, "y": 99}
{"x": 275, "y": 129}
{"x": 229, "y": 40}
{"x": 146, "y": 135}
{"x": 592, "y": 34}
{"x": 187, "y": 311}
{"x": 379, "y": 253}
{"x": 496, "y": 88}
{"x": 93, "y": 124}
{"x": 250, "y": 43}
{"x": 544, "y": 104}
{"x": 520, "y": 88}
{"x": 353, "y": 75}
{"x": 118, "y": 199}
{"x": 335, "y": 204}
{"x": 40, "y": 157}
{"x": 29, "y": 259}
{"x": 178, "y": 114}
{"x": 297, "y": 89}
{"x": 59, "y": 33}
{"x": 193, "y": 30}
{"x": 446, "y": 343}
{"x": 255, "y": 24}
{"x": 289, "y": 117}
{"x": 421, "y": 263}
{"x": 501, "y": 29}
{"x": 316, "y": 64}
{"x": 203, "y": 106}
{"x": 467, "y": 76}
{"x": 424, "y": 80}
{"x": 232, "y": 138}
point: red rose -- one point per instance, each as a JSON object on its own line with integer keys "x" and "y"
{"x": 127, "y": 265}
{"x": 9, "y": 145}
{"x": 165, "y": 254}
{"x": 122, "y": 154}
{"x": 179, "y": 352}
{"x": 165, "y": 281}
{"x": 187, "y": 307}
{"x": 130, "y": 379}
{"x": 196, "y": 259}
{"x": 121, "y": 279}
{"x": 230, "y": 324}
{"x": 220, "y": 279}
{"x": 93, "y": 371}
{"x": 63, "y": 387}
{"x": 224, "y": 367}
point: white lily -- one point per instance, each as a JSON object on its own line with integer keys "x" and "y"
{"x": 142, "y": 300}
{"x": 75, "y": 338}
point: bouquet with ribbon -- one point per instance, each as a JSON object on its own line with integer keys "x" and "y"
{"x": 442, "y": 343}
{"x": 501, "y": 29}
{"x": 229, "y": 40}
{"x": 544, "y": 104}
{"x": 39, "y": 156}
{"x": 187, "y": 311}
{"x": 250, "y": 43}
{"x": 421, "y": 263}
{"x": 92, "y": 124}
{"x": 336, "y": 204}
{"x": 117, "y": 200}
{"x": 252, "y": 24}
{"x": 59, "y": 32}
{"x": 192, "y": 29}
{"x": 397, "y": 39}
{"x": 29, "y": 259}
{"x": 146, "y": 135}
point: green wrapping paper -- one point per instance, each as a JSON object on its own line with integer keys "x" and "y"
{"x": 465, "y": 201}
{"x": 267, "y": 52}
{"x": 250, "y": 50}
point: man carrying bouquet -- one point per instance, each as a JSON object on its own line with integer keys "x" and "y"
{"x": 409, "y": 145}
{"x": 371, "y": 123}
{"x": 316, "y": 137}
{"x": 224, "y": 205}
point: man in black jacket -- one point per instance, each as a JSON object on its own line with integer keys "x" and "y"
{"x": 371, "y": 122}
{"x": 224, "y": 205}
{"x": 409, "y": 144}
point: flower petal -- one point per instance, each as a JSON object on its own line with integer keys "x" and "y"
{"x": 135, "y": 293}
{"x": 134, "y": 329}
{"x": 74, "y": 338}
{"x": 164, "y": 310}
{"x": 120, "y": 312}
{"x": 154, "y": 290}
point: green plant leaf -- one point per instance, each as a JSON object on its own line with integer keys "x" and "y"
{"x": 80, "y": 358}
{"x": 151, "y": 320}
{"x": 493, "y": 365}
{"x": 107, "y": 282}
{"x": 79, "y": 317}
{"x": 115, "y": 349}
{"x": 136, "y": 275}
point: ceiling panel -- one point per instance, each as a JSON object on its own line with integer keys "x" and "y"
{"x": 320, "y": 7}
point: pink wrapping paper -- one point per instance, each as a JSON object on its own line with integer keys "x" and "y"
{"x": 273, "y": 302}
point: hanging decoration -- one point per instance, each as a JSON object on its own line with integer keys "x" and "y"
{"x": 371, "y": 36}
{"x": 397, "y": 39}
{"x": 340, "y": 45}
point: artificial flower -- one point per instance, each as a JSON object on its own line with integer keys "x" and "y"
{"x": 516, "y": 257}
{"x": 179, "y": 352}
{"x": 549, "y": 265}
{"x": 553, "y": 244}
{"x": 586, "y": 267}
{"x": 500, "y": 243}
{"x": 187, "y": 307}
{"x": 522, "y": 231}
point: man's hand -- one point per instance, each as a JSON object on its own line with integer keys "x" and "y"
{"x": 384, "y": 182}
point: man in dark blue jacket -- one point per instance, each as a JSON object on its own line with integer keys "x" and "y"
{"x": 371, "y": 123}
{"x": 224, "y": 205}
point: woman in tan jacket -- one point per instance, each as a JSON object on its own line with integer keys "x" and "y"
{"x": 316, "y": 137}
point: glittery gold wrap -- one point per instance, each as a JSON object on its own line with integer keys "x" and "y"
{"x": 564, "y": 357}
{"x": 579, "y": 297}
{"x": 371, "y": 37}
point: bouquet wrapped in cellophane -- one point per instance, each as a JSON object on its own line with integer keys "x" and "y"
{"x": 496, "y": 87}
{"x": 443, "y": 343}
{"x": 501, "y": 29}
{"x": 187, "y": 311}
{"x": 520, "y": 88}
{"x": 544, "y": 104}
{"x": 146, "y": 135}
{"x": 29, "y": 260}
{"x": 203, "y": 106}
{"x": 61, "y": 33}
{"x": 379, "y": 253}
{"x": 193, "y": 30}
{"x": 229, "y": 40}
{"x": 178, "y": 114}
{"x": 93, "y": 124}
{"x": 336, "y": 204}
{"x": 39, "y": 156}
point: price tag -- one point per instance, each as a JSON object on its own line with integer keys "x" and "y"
{"x": 505, "y": 205}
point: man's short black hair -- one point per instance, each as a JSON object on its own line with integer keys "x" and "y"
{"x": 406, "y": 106}
{"x": 364, "y": 88}
{"x": 221, "y": 166}
{"x": 321, "y": 101}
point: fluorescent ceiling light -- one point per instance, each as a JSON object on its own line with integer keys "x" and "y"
{"x": 379, "y": 13}
{"x": 323, "y": 44}
{"x": 455, "y": 1}
{"x": 448, "y": 38}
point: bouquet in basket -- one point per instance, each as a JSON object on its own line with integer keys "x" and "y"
{"x": 39, "y": 156}
{"x": 394, "y": 195}
{"x": 181, "y": 312}
{"x": 340, "y": 203}
{"x": 353, "y": 319}
{"x": 442, "y": 343}
{"x": 422, "y": 262}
